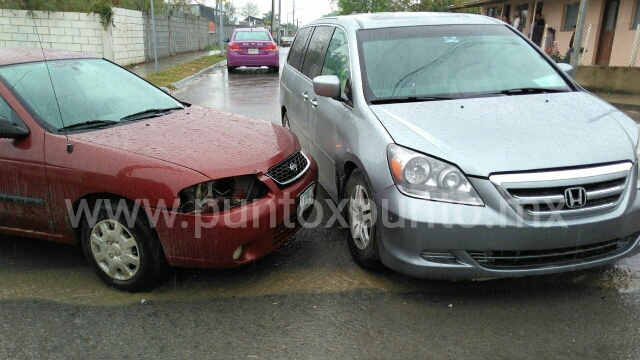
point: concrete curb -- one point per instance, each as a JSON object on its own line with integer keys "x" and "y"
{"x": 184, "y": 82}
{"x": 625, "y": 106}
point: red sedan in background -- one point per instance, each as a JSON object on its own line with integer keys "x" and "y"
{"x": 101, "y": 157}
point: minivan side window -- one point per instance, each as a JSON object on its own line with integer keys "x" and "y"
{"x": 336, "y": 62}
{"x": 297, "y": 49}
{"x": 314, "y": 58}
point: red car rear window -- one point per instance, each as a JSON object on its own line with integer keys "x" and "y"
{"x": 252, "y": 36}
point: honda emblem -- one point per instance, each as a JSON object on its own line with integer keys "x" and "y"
{"x": 575, "y": 197}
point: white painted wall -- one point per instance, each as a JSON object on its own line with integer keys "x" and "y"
{"x": 127, "y": 37}
{"x": 122, "y": 44}
{"x": 60, "y": 31}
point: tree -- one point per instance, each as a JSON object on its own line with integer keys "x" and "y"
{"x": 346, "y": 7}
{"x": 333, "y": 13}
{"x": 250, "y": 9}
{"x": 267, "y": 16}
{"x": 230, "y": 9}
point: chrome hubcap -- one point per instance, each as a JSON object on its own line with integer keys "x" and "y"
{"x": 115, "y": 250}
{"x": 360, "y": 217}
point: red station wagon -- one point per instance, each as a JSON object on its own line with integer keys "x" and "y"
{"x": 92, "y": 154}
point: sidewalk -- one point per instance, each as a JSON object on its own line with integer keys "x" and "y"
{"x": 147, "y": 68}
{"x": 623, "y": 102}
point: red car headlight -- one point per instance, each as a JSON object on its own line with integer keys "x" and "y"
{"x": 220, "y": 195}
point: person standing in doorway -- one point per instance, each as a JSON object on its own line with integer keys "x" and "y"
{"x": 548, "y": 42}
{"x": 506, "y": 19}
{"x": 567, "y": 57}
{"x": 538, "y": 29}
{"x": 518, "y": 21}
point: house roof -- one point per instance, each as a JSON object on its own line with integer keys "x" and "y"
{"x": 388, "y": 20}
{"x": 475, "y": 3}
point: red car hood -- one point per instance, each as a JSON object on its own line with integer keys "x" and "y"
{"x": 215, "y": 143}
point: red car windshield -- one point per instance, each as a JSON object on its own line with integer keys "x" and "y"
{"x": 252, "y": 36}
{"x": 86, "y": 89}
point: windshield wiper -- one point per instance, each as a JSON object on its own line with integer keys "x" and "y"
{"x": 526, "y": 91}
{"x": 88, "y": 124}
{"x": 410, "y": 99}
{"x": 145, "y": 114}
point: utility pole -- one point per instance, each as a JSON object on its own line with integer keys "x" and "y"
{"x": 280, "y": 22}
{"x": 273, "y": 15}
{"x": 153, "y": 25}
{"x": 293, "y": 21}
{"x": 220, "y": 29}
{"x": 577, "y": 40}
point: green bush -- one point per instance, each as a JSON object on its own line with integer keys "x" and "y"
{"x": 106, "y": 13}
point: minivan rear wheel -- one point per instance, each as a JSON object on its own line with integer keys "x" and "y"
{"x": 361, "y": 216}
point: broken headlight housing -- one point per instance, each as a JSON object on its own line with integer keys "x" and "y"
{"x": 220, "y": 195}
{"x": 424, "y": 177}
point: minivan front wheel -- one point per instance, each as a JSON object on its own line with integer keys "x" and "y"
{"x": 361, "y": 215}
{"x": 285, "y": 121}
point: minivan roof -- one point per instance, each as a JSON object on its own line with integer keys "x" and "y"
{"x": 387, "y": 20}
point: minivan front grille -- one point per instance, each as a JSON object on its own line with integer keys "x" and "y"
{"x": 547, "y": 193}
{"x": 504, "y": 260}
{"x": 290, "y": 169}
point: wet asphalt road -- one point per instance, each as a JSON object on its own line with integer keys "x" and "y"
{"x": 307, "y": 299}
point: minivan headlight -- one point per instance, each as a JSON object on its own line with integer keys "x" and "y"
{"x": 424, "y": 177}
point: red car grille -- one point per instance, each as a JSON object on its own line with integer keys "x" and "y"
{"x": 282, "y": 232}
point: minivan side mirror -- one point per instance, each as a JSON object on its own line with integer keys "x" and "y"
{"x": 568, "y": 69}
{"x": 327, "y": 86}
{"x": 10, "y": 131}
{"x": 165, "y": 89}
{"x": 227, "y": 40}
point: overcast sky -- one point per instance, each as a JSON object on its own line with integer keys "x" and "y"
{"x": 306, "y": 10}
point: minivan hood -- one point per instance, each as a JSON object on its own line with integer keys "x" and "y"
{"x": 215, "y": 143}
{"x": 513, "y": 133}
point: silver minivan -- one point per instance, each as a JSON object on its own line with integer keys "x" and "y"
{"x": 458, "y": 149}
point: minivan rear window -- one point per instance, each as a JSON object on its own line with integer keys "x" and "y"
{"x": 252, "y": 36}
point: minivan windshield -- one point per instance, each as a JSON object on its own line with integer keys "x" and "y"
{"x": 451, "y": 61}
{"x": 87, "y": 90}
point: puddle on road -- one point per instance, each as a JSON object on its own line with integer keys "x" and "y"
{"x": 624, "y": 276}
{"x": 81, "y": 287}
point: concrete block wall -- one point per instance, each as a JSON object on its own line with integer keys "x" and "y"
{"x": 127, "y": 37}
{"x": 162, "y": 36}
{"x": 175, "y": 34}
{"x": 59, "y": 31}
{"x": 128, "y": 42}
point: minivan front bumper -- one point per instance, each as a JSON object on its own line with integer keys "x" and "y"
{"x": 437, "y": 240}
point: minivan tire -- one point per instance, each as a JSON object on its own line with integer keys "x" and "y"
{"x": 363, "y": 248}
{"x": 148, "y": 250}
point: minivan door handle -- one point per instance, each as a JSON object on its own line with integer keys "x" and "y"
{"x": 314, "y": 102}
{"x": 305, "y": 96}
